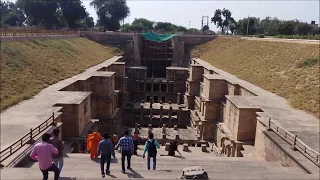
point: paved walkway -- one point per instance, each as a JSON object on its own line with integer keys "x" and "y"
{"x": 79, "y": 166}
{"x": 301, "y": 41}
{"x": 16, "y": 121}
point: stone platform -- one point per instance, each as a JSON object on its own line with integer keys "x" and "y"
{"x": 79, "y": 166}
{"x": 187, "y": 135}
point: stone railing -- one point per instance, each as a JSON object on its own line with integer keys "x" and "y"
{"x": 26, "y": 139}
{"x": 295, "y": 142}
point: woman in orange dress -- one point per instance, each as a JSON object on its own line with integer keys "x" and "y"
{"x": 92, "y": 144}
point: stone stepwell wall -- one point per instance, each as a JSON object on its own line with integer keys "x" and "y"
{"x": 120, "y": 38}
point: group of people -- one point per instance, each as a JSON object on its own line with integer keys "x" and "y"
{"x": 50, "y": 157}
{"x": 129, "y": 146}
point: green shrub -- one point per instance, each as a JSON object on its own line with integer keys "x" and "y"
{"x": 261, "y": 36}
{"x": 308, "y": 62}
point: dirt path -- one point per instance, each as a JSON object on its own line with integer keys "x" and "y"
{"x": 304, "y": 41}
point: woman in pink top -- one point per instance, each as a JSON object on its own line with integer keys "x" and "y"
{"x": 42, "y": 152}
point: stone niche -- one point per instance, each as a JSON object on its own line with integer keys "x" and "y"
{"x": 177, "y": 73}
{"x": 119, "y": 69}
{"x": 136, "y": 72}
{"x": 211, "y": 110}
{"x": 207, "y": 130}
{"x": 196, "y": 72}
{"x": 241, "y": 118}
{"x": 76, "y": 113}
{"x": 193, "y": 88}
{"x": 102, "y": 83}
{"x": 214, "y": 87}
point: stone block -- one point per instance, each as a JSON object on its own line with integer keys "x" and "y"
{"x": 175, "y": 127}
{"x": 185, "y": 147}
{"x": 203, "y": 148}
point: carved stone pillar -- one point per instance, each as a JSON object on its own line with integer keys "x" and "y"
{"x": 228, "y": 150}
{"x": 161, "y": 111}
{"x": 178, "y": 98}
{"x": 170, "y": 112}
{"x": 238, "y": 149}
{"x": 141, "y": 114}
{"x": 233, "y": 148}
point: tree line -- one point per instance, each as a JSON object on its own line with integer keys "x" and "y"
{"x": 265, "y": 27}
{"x": 142, "y": 24}
{"x": 57, "y": 14}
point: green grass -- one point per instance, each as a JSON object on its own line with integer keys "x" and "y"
{"x": 29, "y": 66}
{"x": 289, "y": 70}
{"x": 309, "y": 62}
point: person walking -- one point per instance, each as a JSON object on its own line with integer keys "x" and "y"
{"x": 57, "y": 143}
{"x": 92, "y": 144}
{"x": 105, "y": 148}
{"x": 127, "y": 149}
{"x": 42, "y": 152}
{"x": 114, "y": 139}
{"x": 151, "y": 146}
{"x": 135, "y": 142}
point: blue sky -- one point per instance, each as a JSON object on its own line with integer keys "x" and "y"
{"x": 181, "y": 12}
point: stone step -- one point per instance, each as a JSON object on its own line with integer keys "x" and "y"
{"x": 89, "y": 173}
{"x": 215, "y": 167}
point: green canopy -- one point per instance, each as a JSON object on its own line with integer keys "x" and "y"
{"x": 157, "y": 37}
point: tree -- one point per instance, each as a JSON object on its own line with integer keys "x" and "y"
{"x": 303, "y": 29}
{"x": 73, "y": 12}
{"x": 127, "y": 27}
{"x": 89, "y": 22}
{"x": 288, "y": 27}
{"x": 222, "y": 18}
{"x": 232, "y": 27}
{"x": 11, "y": 14}
{"x": 168, "y": 27}
{"x": 110, "y": 12}
{"x": 269, "y": 26}
{"x": 180, "y": 29}
{"x": 163, "y": 26}
{"x": 242, "y": 26}
{"x": 41, "y": 12}
{"x": 205, "y": 28}
{"x": 141, "y": 24}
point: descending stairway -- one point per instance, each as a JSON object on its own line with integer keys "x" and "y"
{"x": 79, "y": 166}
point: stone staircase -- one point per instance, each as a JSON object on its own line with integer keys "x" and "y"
{"x": 80, "y": 166}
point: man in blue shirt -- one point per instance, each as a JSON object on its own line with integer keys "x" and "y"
{"x": 151, "y": 146}
{"x": 105, "y": 148}
{"x": 127, "y": 149}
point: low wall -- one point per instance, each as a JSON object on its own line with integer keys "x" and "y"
{"x": 26, "y": 38}
{"x": 272, "y": 148}
{"x": 196, "y": 39}
{"x": 118, "y": 39}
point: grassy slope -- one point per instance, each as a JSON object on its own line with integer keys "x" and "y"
{"x": 29, "y": 66}
{"x": 272, "y": 66}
